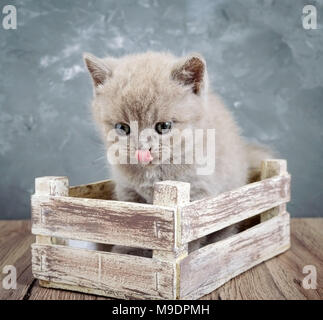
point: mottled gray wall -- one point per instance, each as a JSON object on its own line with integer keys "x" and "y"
{"x": 265, "y": 65}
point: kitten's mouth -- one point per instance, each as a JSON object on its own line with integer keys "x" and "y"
{"x": 144, "y": 156}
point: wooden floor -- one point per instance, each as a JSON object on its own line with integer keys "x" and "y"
{"x": 278, "y": 278}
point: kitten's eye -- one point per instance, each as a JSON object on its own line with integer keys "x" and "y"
{"x": 163, "y": 127}
{"x": 122, "y": 129}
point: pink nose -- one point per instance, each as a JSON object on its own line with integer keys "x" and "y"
{"x": 143, "y": 156}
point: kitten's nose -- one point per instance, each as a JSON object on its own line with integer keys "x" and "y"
{"x": 144, "y": 155}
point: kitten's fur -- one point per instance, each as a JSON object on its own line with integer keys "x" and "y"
{"x": 154, "y": 87}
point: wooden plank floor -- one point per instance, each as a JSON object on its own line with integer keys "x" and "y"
{"x": 278, "y": 278}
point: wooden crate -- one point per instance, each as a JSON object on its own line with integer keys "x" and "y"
{"x": 166, "y": 227}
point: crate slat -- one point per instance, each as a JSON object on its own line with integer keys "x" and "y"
{"x": 203, "y": 217}
{"x": 110, "y": 274}
{"x": 208, "y": 268}
{"x": 103, "y": 221}
{"x": 96, "y": 190}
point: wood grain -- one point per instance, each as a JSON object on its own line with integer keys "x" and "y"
{"x": 173, "y": 194}
{"x": 269, "y": 169}
{"x": 278, "y": 278}
{"x": 58, "y": 291}
{"x": 96, "y": 190}
{"x": 115, "y": 275}
{"x": 203, "y": 217}
{"x": 208, "y": 268}
{"x": 103, "y": 221}
{"x": 15, "y": 242}
{"x": 51, "y": 185}
{"x": 48, "y": 292}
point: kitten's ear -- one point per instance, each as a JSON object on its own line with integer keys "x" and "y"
{"x": 191, "y": 71}
{"x": 99, "y": 69}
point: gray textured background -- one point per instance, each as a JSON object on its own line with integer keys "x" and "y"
{"x": 267, "y": 68}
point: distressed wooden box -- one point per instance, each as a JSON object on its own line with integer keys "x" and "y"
{"x": 166, "y": 227}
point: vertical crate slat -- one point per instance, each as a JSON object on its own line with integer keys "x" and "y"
{"x": 49, "y": 186}
{"x": 173, "y": 194}
{"x": 52, "y": 186}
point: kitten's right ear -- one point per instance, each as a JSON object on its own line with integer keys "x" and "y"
{"x": 191, "y": 71}
{"x": 98, "y": 68}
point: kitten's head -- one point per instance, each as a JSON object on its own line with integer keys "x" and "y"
{"x": 155, "y": 93}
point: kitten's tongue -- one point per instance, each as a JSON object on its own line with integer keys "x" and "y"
{"x": 143, "y": 156}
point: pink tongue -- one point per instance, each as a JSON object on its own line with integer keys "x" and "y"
{"x": 143, "y": 156}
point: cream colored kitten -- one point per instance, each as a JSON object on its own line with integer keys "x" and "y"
{"x": 167, "y": 95}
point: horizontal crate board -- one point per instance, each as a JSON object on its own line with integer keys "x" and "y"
{"x": 203, "y": 217}
{"x": 208, "y": 268}
{"x": 115, "y": 275}
{"x": 102, "y": 221}
{"x": 96, "y": 190}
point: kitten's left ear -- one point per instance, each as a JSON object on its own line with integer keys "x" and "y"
{"x": 99, "y": 69}
{"x": 191, "y": 71}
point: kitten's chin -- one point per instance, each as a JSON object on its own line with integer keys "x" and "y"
{"x": 141, "y": 165}
{"x": 148, "y": 164}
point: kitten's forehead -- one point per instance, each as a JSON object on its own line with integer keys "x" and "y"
{"x": 142, "y": 90}
{"x": 138, "y": 103}
{"x": 141, "y": 105}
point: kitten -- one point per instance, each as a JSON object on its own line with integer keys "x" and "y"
{"x": 168, "y": 95}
